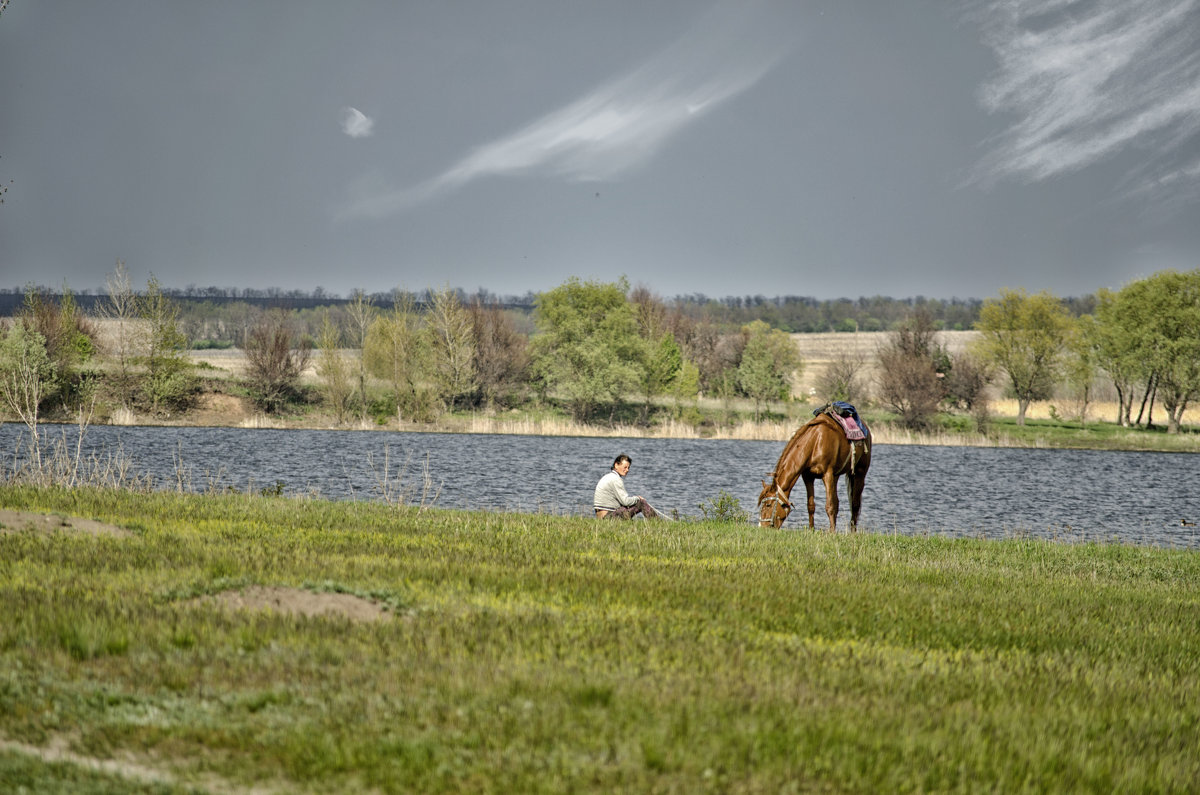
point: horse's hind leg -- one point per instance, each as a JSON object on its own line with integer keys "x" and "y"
{"x": 856, "y": 489}
{"x": 831, "y": 500}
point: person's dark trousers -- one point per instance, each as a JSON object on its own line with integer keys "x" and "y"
{"x": 628, "y": 512}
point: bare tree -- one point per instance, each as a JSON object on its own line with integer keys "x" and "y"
{"x": 966, "y": 386}
{"x": 275, "y": 359}
{"x": 126, "y": 337}
{"x": 361, "y": 313}
{"x": 452, "y": 338}
{"x": 716, "y": 354}
{"x": 912, "y": 367}
{"x": 966, "y": 382}
{"x": 650, "y": 312}
{"x": 27, "y": 373}
{"x": 843, "y": 377}
{"x": 501, "y": 352}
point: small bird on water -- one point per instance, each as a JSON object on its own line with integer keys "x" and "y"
{"x": 1186, "y": 523}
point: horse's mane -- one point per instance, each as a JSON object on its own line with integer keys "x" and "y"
{"x": 796, "y": 437}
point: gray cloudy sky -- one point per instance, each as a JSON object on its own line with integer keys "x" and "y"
{"x": 823, "y": 148}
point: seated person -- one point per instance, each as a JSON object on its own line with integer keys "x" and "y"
{"x": 612, "y": 501}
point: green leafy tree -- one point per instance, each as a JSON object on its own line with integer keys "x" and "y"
{"x": 686, "y": 385}
{"x": 1112, "y": 335}
{"x": 1025, "y": 336}
{"x": 1168, "y": 340}
{"x": 396, "y": 350}
{"x": 70, "y": 339}
{"x": 333, "y": 369}
{"x": 770, "y": 361}
{"x": 662, "y": 358}
{"x": 662, "y": 362}
{"x": 1080, "y": 368}
{"x": 169, "y": 383}
{"x": 587, "y": 349}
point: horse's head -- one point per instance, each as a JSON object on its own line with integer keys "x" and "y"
{"x": 773, "y": 505}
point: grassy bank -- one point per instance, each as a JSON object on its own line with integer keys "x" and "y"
{"x": 543, "y": 654}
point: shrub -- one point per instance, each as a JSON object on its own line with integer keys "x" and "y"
{"x": 724, "y": 508}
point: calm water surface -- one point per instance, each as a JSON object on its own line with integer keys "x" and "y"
{"x": 912, "y": 490}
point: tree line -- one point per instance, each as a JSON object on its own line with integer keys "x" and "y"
{"x": 1145, "y": 338}
{"x": 601, "y": 351}
{"x": 216, "y": 315}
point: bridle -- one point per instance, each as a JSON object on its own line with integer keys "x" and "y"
{"x": 775, "y": 500}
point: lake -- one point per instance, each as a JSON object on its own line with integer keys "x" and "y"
{"x": 1072, "y": 495}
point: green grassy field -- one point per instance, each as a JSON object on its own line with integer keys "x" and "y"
{"x": 523, "y": 653}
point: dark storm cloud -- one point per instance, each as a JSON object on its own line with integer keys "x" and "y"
{"x": 803, "y": 147}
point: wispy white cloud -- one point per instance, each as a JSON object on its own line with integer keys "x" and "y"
{"x": 357, "y": 124}
{"x": 622, "y": 124}
{"x": 1090, "y": 79}
{"x": 1166, "y": 189}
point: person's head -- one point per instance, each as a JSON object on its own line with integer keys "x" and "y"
{"x": 621, "y": 464}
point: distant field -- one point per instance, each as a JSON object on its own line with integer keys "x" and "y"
{"x": 818, "y": 350}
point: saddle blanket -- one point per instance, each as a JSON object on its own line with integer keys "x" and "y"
{"x": 847, "y": 417}
{"x": 853, "y": 432}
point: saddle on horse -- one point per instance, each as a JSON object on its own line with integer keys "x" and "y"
{"x": 847, "y": 417}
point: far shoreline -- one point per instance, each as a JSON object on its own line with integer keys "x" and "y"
{"x": 1124, "y": 440}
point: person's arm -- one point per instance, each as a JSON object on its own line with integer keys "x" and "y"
{"x": 622, "y": 495}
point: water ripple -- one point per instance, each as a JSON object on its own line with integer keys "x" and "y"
{"x": 1132, "y": 497}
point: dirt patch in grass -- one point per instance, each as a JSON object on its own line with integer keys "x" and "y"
{"x": 31, "y": 521}
{"x": 297, "y": 601}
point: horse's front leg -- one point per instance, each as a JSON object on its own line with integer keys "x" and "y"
{"x": 831, "y": 500}
{"x": 812, "y": 501}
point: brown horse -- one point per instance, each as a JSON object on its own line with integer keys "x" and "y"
{"x": 818, "y": 449}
